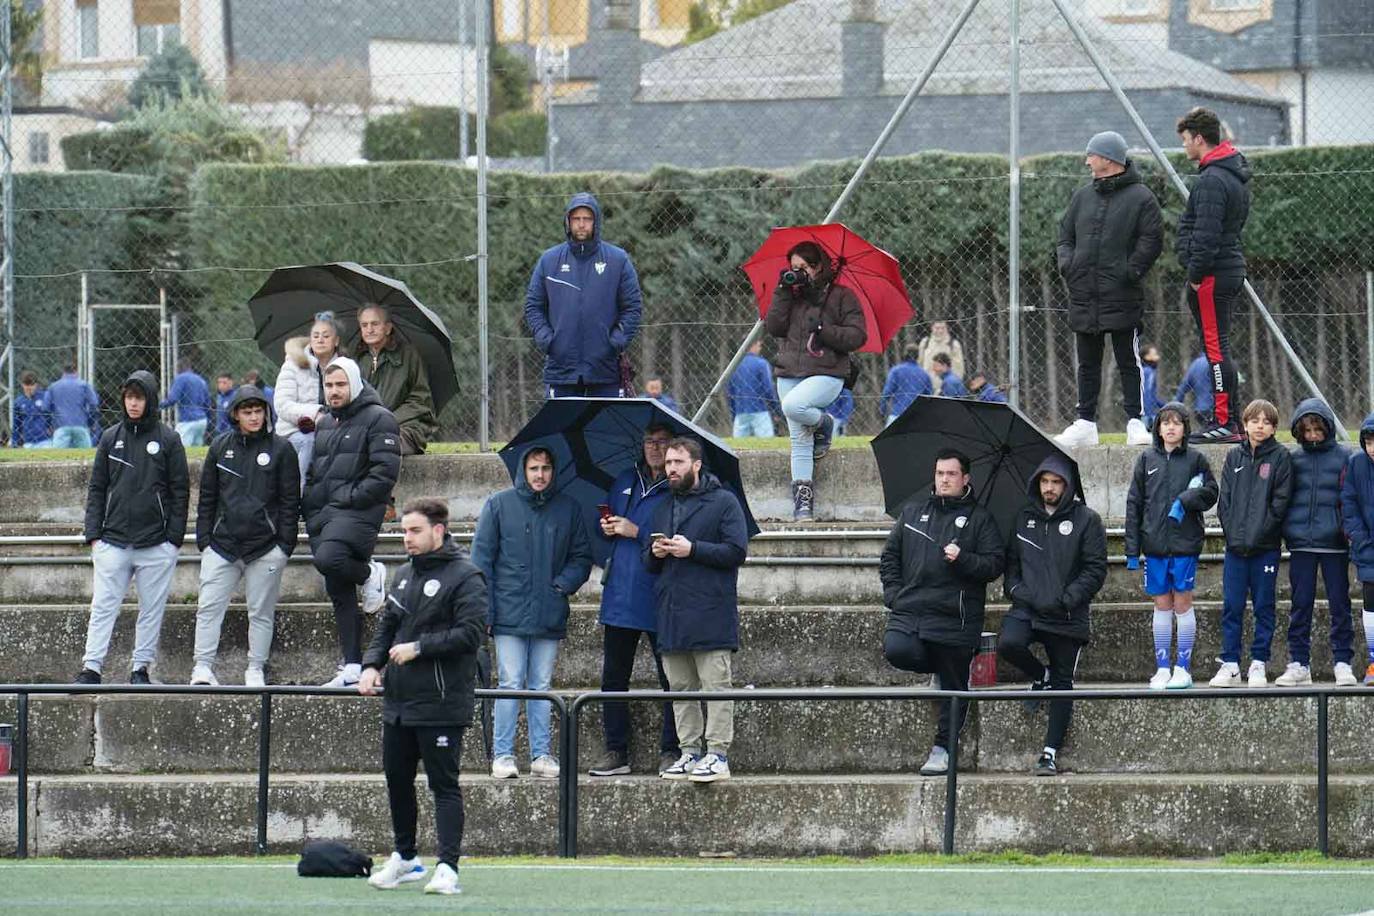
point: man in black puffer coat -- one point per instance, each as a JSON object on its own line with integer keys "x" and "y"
{"x": 427, "y": 641}
{"x": 1109, "y": 237}
{"x": 352, "y": 472}
{"x": 1056, "y": 564}
{"x": 135, "y": 523}
{"x": 1208, "y": 248}
{"x": 935, "y": 569}
{"x": 246, "y": 523}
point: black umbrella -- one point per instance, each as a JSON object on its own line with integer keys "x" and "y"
{"x": 1003, "y": 446}
{"x": 594, "y": 439}
{"x": 287, "y": 303}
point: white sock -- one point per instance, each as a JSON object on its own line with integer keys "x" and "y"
{"x": 1368, "y": 618}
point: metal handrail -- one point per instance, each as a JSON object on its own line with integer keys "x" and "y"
{"x": 265, "y": 694}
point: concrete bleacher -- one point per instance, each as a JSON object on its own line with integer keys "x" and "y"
{"x": 163, "y": 775}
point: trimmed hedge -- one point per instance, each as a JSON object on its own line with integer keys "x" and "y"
{"x": 428, "y": 133}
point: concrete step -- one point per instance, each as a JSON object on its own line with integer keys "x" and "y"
{"x": 1120, "y": 815}
{"x": 791, "y": 645}
{"x": 202, "y": 734}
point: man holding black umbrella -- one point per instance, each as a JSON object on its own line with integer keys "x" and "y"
{"x": 394, "y": 367}
{"x": 935, "y": 568}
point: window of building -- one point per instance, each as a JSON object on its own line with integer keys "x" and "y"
{"x": 38, "y": 148}
{"x": 88, "y": 28}
{"x": 157, "y": 25}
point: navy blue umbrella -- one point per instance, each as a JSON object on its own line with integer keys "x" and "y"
{"x": 594, "y": 439}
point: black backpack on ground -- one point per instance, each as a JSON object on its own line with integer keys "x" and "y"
{"x": 332, "y": 859}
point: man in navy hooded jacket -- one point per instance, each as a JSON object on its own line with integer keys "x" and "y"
{"x": 583, "y": 306}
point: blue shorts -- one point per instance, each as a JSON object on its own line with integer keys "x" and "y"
{"x": 1170, "y": 574}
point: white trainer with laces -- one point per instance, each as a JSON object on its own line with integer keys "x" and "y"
{"x": 711, "y": 768}
{"x": 253, "y": 676}
{"x": 1295, "y": 675}
{"x": 1137, "y": 434}
{"x": 203, "y": 675}
{"x": 1182, "y": 679}
{"x": 683, "y": 768}
{"x": 1228, "y": 675}
{"x": 397, "y": 871}
{"x": 374, "y": 589}
{"x": 1256, "y": 676}
{"x": 1078, "y": 434}
{"x": 345, "y": 676}
{"x": 1160, "y": 680}
{"x": 503, "y": 767}
{"x": 1345, "y": 675}
{"x": 445, "y": 881}
{"x": 545, "y": 766}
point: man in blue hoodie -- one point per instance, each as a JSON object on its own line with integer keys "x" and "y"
{"x": 191, "y": 396}
{"x": 75, "y": 410}
{"x": 583, "y": 307}
{"x": 906, "y": 382}
{"x": 752, "y": 397}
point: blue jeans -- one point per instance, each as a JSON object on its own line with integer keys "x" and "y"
{"x": 1302, "y": 575}
{"x": 758, "y": 424}
{"x": 71, "y": 437}
{"x": 803, "y": 403}
{"x": 1256, "y": 577}
{"x": 304, "y": 444}
{"x": 192, "y": 432}
{"x": 523, "y": 663}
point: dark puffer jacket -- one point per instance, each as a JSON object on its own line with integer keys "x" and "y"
{"x": 250, "y": 486}
{"x": 1209, "y": 230}
{"x": 140, "y": 488}
{"x": 930, "y": 597}
{"x": 1357, "y": 504}
{"x": 439, "y": 601}
{"x": 1056, "y": 563}
{"x": 1256, "y": 486}
{"x": 1160, "y": 477}
{"x": 1109, "y": 237}
{"x": 793, "y": 318}
{"x": 353, "y": 470}
{"x": 1314, "y": 521}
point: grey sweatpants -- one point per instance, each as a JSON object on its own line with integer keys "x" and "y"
{"x": 151, "y": 569}
{"x": 261, "y": 585}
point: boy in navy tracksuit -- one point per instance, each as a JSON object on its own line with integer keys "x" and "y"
{"x": 1316, "y": 540}
{"x": 1256, "y": 484}
{"x": 1357, "y": 511}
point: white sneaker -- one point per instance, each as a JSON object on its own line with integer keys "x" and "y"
{"x": 937, "y": 764}
{"x": 345, "y": 676}
{"x": 683, "y": 768}
{"x": 1345, "y": 676}
{"x": 445, "y": 881}
{"x": 203, "y": 674}
{"x": 374, "y": 589}
{"x": 1228, "y": 675}
{"x": 397, "y": 871}
{"x": 1182, "y": 679}
{"x": 1160, "y": 680}
{"x": 1257, "y": 677}
{"x": 254, "y": 677}
{"x": 504, "y": 768}
{"x": 1078, "y": 434}
{"x": 545, "y": 766}
{"x": 1137, "y": 434}
{"x": 1295, "y": 675}
{"x": 711, "y": 768}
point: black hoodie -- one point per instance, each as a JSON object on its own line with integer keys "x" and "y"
{"x": 250, "y": 489}
{"x": 1256, "y": 486}
{"x": 1161, "y": 477}
{"x": 139, "y": 488}
{"x": 1209, "y": 230}
{"x": 1056, "y": 562}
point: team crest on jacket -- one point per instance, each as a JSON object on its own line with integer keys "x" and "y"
{"x": 961, "y": 521}
{"x": 229, "y": 453}
{"x": 1066, "y": 527}
{"x": 119, "y": 443}
{"x": 600, "y": 267}
{"x": 1264, "y": 471}
{"x": 263, "y": 459}
{"x": 431, "y": 588}
{"x": 154, "y": 448}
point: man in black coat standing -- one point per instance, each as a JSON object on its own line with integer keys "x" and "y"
{"x": 356, "y": 462}
{"x": 427, "y": 642}
{"x": 1109, "y": 237}
{"x": 1056, "y": 564}
{"x": 1209, "y": 249}
{"x": 935, "y": 567}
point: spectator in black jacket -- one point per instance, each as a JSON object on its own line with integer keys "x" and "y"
{"x": 1256, "y": 486}
{"x": 1109, "y": 237}
{"x": 1171, "y": 488}
{"x": 354, "y": 467}
{"x": 1209, "y": 249}
{"x": 1056, "y": 564}
{"x": 246, "y": 523}
{"x": 935, "y": 568}
{"x": 135, "y": 523}
{"x": 427, "y": 642}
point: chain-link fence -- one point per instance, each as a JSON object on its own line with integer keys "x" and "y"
{"x": 248, "y": 134}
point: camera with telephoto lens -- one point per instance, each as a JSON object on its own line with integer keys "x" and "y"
{"x": 792, "y": 277}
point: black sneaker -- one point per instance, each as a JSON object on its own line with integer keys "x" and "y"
{"x": 611, "y": 763}
{"x": 139, "y": 676}
{"x": 87, "y": 676}
{"x": 803, "y": 501}
{"x": 1033, "y": 706}
{"x": 825, "y": 434}
{"x": 1216, "y": 435}
{"x": 1046, "y": 765}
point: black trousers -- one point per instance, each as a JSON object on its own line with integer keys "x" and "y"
{"x": 619, "y": 647}
{"x": 1126, "y": 350}
{"x": 911, "y": 653}
{"x": 1014, "y": 643}
{"x": 343, "y": 572}
{"x": 1212, "y": 304}
{"x": 403, "y": 748}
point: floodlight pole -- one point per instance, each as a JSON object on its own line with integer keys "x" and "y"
{"x": 483, "y": 356}
{"x": 1077, "y": 28}
{"x": 1014, "y": 216}
{"x": 892, "y": 123}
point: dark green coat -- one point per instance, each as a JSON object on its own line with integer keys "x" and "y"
{"x": 398, "y": 374}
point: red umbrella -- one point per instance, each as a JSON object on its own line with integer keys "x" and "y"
{"x": 873, "y": 275}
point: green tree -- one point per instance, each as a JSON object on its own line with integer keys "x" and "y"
{"x": 26, "y": 33}
{"x": 171, "y": 75}
{"x": 509, "y": 77}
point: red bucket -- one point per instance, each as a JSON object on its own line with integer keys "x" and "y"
{"x": 983, "y": 671}
{"x": 6, "y": 743}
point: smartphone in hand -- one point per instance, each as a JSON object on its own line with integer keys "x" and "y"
{"x": 605, "y": 511}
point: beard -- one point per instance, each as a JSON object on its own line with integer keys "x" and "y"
{"x": 684, "y": 483}
{"x": 1051, "y": 499}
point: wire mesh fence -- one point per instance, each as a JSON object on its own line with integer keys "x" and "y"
{"x": 249, "y": 134}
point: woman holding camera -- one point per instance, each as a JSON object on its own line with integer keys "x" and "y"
{"x": 818, "y": 324}
{"x": 297, "y": 396}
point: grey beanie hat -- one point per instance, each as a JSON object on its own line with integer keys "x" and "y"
{"x": 1109, "y": 145}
